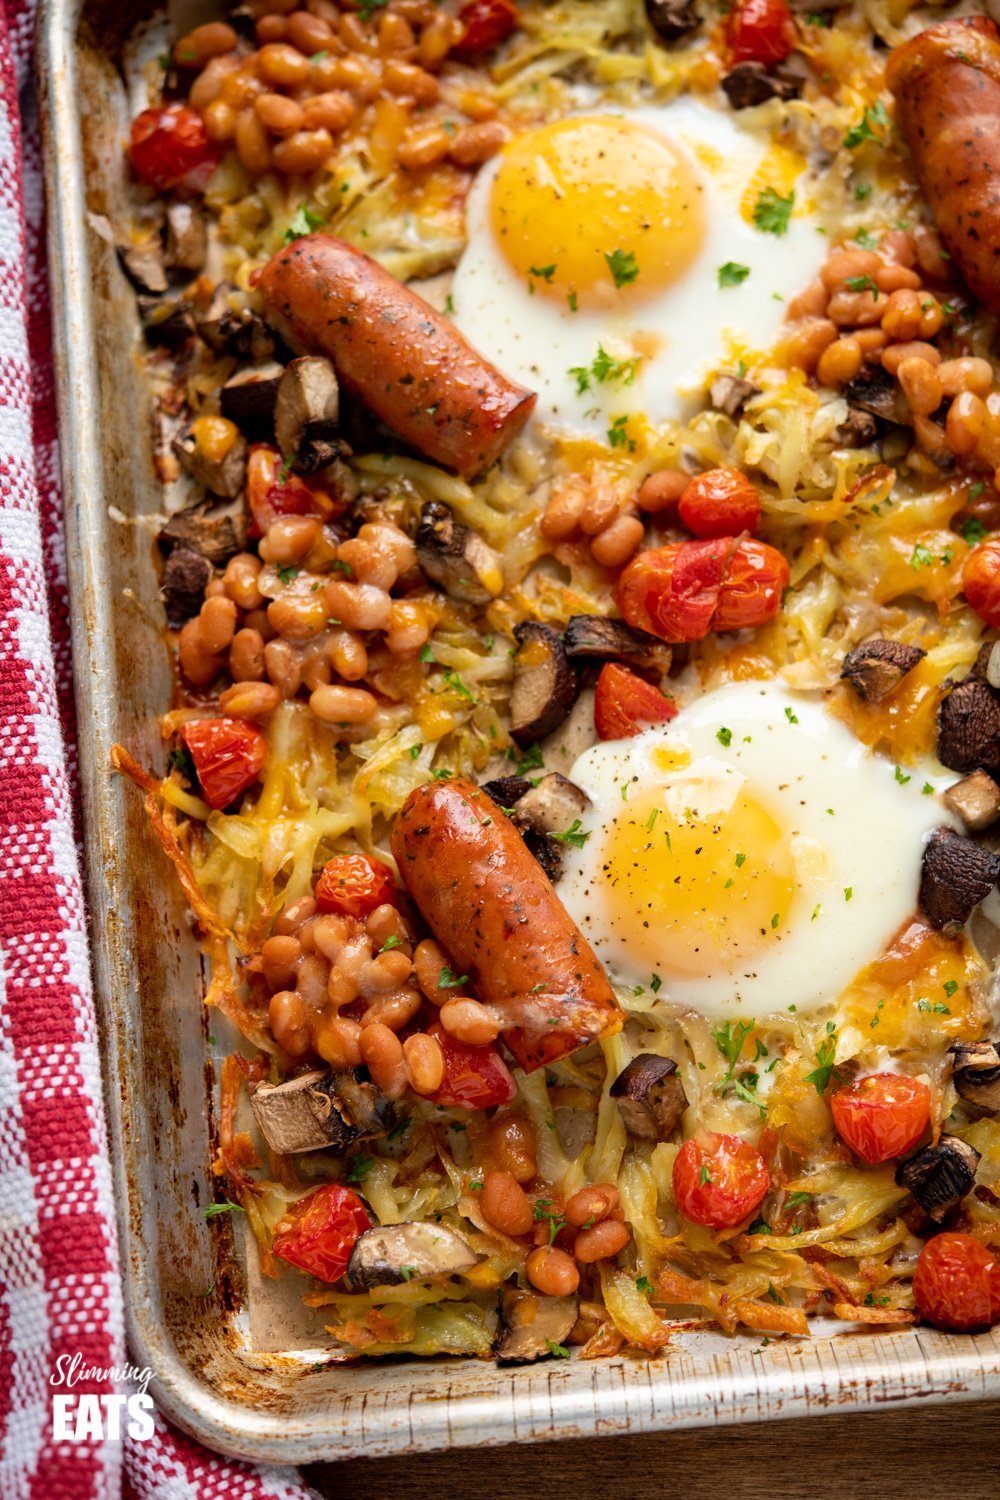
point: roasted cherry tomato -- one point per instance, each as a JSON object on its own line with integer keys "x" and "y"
{"x": 487, "y": 23}
{"x": 720, "y": 502}
{"x": 957, "y": 1283}
{"x": 227, "y": 755}
{"x": 719, "y": 1180}
{"x": 318, "y": 1233}
{"x": 272, "y": 493}
{"x": 474, "y": 1077}
{"x": 354, "y": 884}
{"x": 170, "y": 148}
{"x": 981, "y": 580}
{"x": 882, "y": 1116}
{"x": 760, "y": 31}
{"x": 682, "y": 591}
{"x": 625, "y": 703}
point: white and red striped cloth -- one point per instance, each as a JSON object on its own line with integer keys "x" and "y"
{"x": 59, "y": 1276}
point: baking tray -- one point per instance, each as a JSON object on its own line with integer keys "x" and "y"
{"x": 218, "y": 1372}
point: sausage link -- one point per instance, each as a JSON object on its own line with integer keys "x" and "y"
{"x": 408, "y": 364}
{"x": 491, "y": 907}
{"x": 946, "y": 81}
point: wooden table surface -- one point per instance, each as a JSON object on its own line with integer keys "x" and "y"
{"x": 922, "y": 1452}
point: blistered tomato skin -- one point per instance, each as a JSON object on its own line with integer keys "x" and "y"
{"x": 981, "y": 580}
{"x": 228, "y": 756}
{"x": 487, "y": 23}
{"x": 319, "y": 1232}
{"x": 883, "y": 1116}
{"x": 474, "y": 1077}
{"x": 354, "y": 885}
{"x": 684, "y": 590}
{"x": 957, "y": 1283}
{"x": 760, "y": 31}
{"x": 624, "y": 704}
{"x": 720, "y": 502}
{"x": 170, "y": 148}
{"x": 719, "y": 1180}
{"x": 272, "y": 492}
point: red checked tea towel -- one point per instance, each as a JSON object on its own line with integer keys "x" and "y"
{"x": 61, "y": 1333}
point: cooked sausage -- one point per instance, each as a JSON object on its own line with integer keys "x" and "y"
{"x": 494, "y": 912}
{"x": 406, "y": 362}
{"x": 947, "y": 86}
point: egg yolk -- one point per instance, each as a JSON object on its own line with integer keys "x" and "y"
{"x": 594, "y": 210}
{"x": 698, "y": 876}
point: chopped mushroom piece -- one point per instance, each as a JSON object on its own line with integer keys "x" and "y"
{"x": 545, "y": 684}
{"x": 236, "y": 331}
{"x": 217, "y": 537}
{"x": 730, "y": 393}
{"x": 751, "y": 83}
{"x": 987, "y": 663}
{"x": 185, "y": 576}
{"x": 859, "y": 430}
{"x": 248, "y": 398}
{"x": 875, "y": 391}
{"x": 956, "y": 874}
{"x": 976, "y": 800}
{"x": 187, "y": 239}
{"x": 877, "y": 667}
{"x": 672, "y": 19}
{"x": 545, "y": 813}
{"x": 507, "y": 790}
{"x": 166, "y": 321}
{"x": 455, "y": 557}
{"x": 976, "y": 1074}
{"x": 940, "y": 1176}
{"x": 969, "y": 727}
{"x": 612, "y": 640}
{"x": 533, "y": 1327}
{"x": 214, "y": 452}
{"x": 143, "y": 265}
{"x": 650, "y": 1096}
{"x": 306, "y": 414}
{"x": 408, "y": 1252}
{"x": 320, "y": 1110}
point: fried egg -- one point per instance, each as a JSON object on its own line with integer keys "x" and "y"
{"x": 613, "y": 260}
{"x": 752, "y": 855}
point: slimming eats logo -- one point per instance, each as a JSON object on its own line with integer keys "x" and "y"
{"x": 87, "y": 1418}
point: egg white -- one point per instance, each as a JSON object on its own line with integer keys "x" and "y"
{"x": 537, "y": 341}
{"x": 856, "y": 829}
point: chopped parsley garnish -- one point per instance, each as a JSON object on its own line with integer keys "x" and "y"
{"x": 759, "y": 1226}
{"x": 729, "y": 1039}
{"x": 950, "y": 986}
{"x": 358, "y": 1167}
{"x": 745, "y": 1088}
{"x": 733, "y": 274}
{"x": 937, "y": 1009}
{"x": 340, "y": 566}
{"x": 288, "y": 572}
{"x": 545, "y": 1209}
{"x": 605, "y": 370}
{"x": 180, "y": 760}
{"x": 407, "y": 1272}
{"x": 772, "y": 212}
{"x": 643, "y": 1284}
{"x": 366, "y": 8}
{"x": 724, "y": 736}
{"x": 921, "y": 556}
{"x": 862, "y": 284}
{"x": 571, "y": 301}
{"x": 303, "y": 222}
{"x": 848, "y": 892}
{"x": 901, "y": 778}
{"x": 796, "y": 1200}
{"x": 572, "y": 835}
{"x": 704, "y": 1175}
{"x": 398, "y": 1130}
{"x": 741, "y": 860}
{"x": 454, "y": 681}
{"x": 544, "y": 273}
{"x": 623, "y": 267}
{"x": 973, "y": 530}
{"x": 927, "y": 789}
{"x": 862, "y": 191}
{"x": 618, "y": 435}
{"x": 228, "y": 1207}
{"x": 791, "y": 716}
{"x": 392, "y": 941}
{"x": 528, "y": 760}
{"x": 868, "y": 127}
{"x": 775, "y": 920}
{"x": 426, "y": 653}
{"x": 559, "y": 1350}
{"x": 656, "y": 983}
{"x": 825, "y": 1055}
{"x": 448, "y": 981}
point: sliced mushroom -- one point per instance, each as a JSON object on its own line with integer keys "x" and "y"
{"x": 320, "y": 1110}
{"x": 143, "y": 265}
{"x": 507, "y": 790}
{"x": 730, "y": 393}
{"x": 187, "y": 238}
{"x": 249, "y": 397}
{"x": 956, "y": 874}
{"x": 166, "y": 321}
{"x": 987, "y": 663}
{"x": 185, "y": 577}
{"x": 650, "y": 1096}
{"x": 455, "y": 557}
{"x": 976, "y": 799}
{"x": 940, "y": 1175}
{"x": 859, "y": 429}
{"x": 672, "y": 19}
{"x": 214, "y": 456}
{"x": 169, "y": 416}
{"x": 306, "y": 414}
{"x": 976, "y": 1074}
{"x": 876, "y": 668}
{"x": 612, "y": 640}
{"x": 217, "y": 537}
{"x": 408, "y": 1252}
{"x": 750, "y": 83}
{"x": 874, "y": 390}
{"x": 243, "y": 20}
{"x": 533, "y": 1327}
{"x": 236, "y": 331}
{"x": 545, "y": 814}
{"x": 545, "y": 684}
{"x": 969, "y": 727}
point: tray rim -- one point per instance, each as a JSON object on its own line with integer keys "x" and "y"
{"x": 530, "y": 1405}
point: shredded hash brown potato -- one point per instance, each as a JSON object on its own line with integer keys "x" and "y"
{"x": 875, "y": 536}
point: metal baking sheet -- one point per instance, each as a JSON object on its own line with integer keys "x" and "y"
{"x": 245, "y": 1384}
